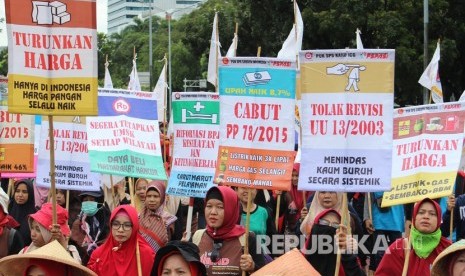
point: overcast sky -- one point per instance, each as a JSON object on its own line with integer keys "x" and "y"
{"x": 101, "y": 20}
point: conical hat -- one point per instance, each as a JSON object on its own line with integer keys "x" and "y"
{"x": 53, "y": 251}
{"x": 441, "y": 263}
{"x": 292, "y": 263}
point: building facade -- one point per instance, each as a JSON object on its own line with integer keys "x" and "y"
{"x": 121, "y": 13}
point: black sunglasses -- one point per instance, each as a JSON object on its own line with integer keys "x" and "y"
{"x": 215, "y": 253}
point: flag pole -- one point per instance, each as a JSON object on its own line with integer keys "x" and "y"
{"x": 235, "y": 40}
{"x": 165, "y": 95}
{"x": 278, "y": 203}
{"x": 451, "y": 224}
{"x": 406, "y": 254}
{"x": 295, "y": 21}
{"x": 425, "y": 44}
{"x": 217, "y": 42}
{"x": 11, "y": 191}
{"x": 190, "y": 211}
{"x": 249, "y": 205}
{"x": 52, "y": 169}
{"x": 133, "y": 204}
{"x": 345, "y": 219}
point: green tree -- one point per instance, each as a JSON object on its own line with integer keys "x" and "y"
{"x": 105, "y": 48}
{"x": 3, "y": 57}
{"x": 4, "y": 62}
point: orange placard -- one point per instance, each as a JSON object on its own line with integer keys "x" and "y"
{"x": 255, "y": 168}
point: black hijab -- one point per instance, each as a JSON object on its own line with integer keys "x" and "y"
{"x": 21, "y": 212}
{"x": 323, "y": 262}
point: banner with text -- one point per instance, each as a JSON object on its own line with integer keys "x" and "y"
{"x": 346, "y": 111}
{"x": 257, "y": 104}
{"x": 428, "y": 143}
{"x": 72, "y": 165}
{"x": 16, "y": 142}
{"x": 196, "y": 122}
{"x": 125, "y": 138}
{"x": 52, "y": 57}
{"x": 37, "y": 130}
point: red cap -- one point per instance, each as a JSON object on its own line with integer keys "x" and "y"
{"x": 44, "y": 217}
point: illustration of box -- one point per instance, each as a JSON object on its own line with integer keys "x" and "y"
{"x": 404, "y": 128}
{"x": 57, "y": 7}
{"x": 62, "y": 18}
{"x": 435, "y": 120}
{"x": 452, "y": 123}
{"x": 44, "y": 15}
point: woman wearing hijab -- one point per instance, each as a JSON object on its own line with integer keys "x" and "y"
{"x": 140, "y": 190}
{"x": 91, "y": 228}
{"x": 117, "y": 255}
{"x": 22, "y": 205}
{"x": 156, "y": 224}
{"x": 426, "y": 243}
{"x": 11, "y": 241}
{"x": 221, "y": 243}
{"x": 295, "y": 201}
{"x": 44, "y": 232}
{"x": 327, "y": 228}
{"x": 321, "y": 201}
{"x": 178, "y": 257}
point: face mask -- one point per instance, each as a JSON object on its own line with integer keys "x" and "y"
{"x": 89, "y": 208}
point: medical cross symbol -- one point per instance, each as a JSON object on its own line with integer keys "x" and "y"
{"x": 198, "y": 106}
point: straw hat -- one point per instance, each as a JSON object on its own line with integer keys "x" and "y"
{"x": 54, "y": 251}
{"x": 441, "y": 263}
{"x": 290, "y": 264}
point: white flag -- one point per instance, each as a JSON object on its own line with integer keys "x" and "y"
{"x": 232, "y": 49}
{"x": 293, "y": 43}
{"x": 107, "y": 82}
{"x": 134, "y": 84}
{"x": 430, "y": 78}
{"x": 159, "y": 90}
{"x": 462, "y": 97}
{"x": 212, "y": 76}
{"x": 359, "y": 39}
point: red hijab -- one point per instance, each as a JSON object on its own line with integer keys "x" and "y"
{"x": 230, "y": 229}
{"x": 6, "y": 221}
{"x": 193, "y": 267}
{"x": 105, "y": 260}
{"x": 436, "y": 206}
{"x": 296, "y": 195}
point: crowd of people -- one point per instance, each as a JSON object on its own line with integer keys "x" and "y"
{"x": 234, "y": 230}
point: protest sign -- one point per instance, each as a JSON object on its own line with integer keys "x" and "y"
{"x": 257, "y": 104}
{"x": 125, "y": 139}
{"x": 196, "y": 137}
{"x": 427, "y": 147}
{"x": 52, "y": 57}
{"x": 71, "y": 160}
{"x": 346, "y": 111}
